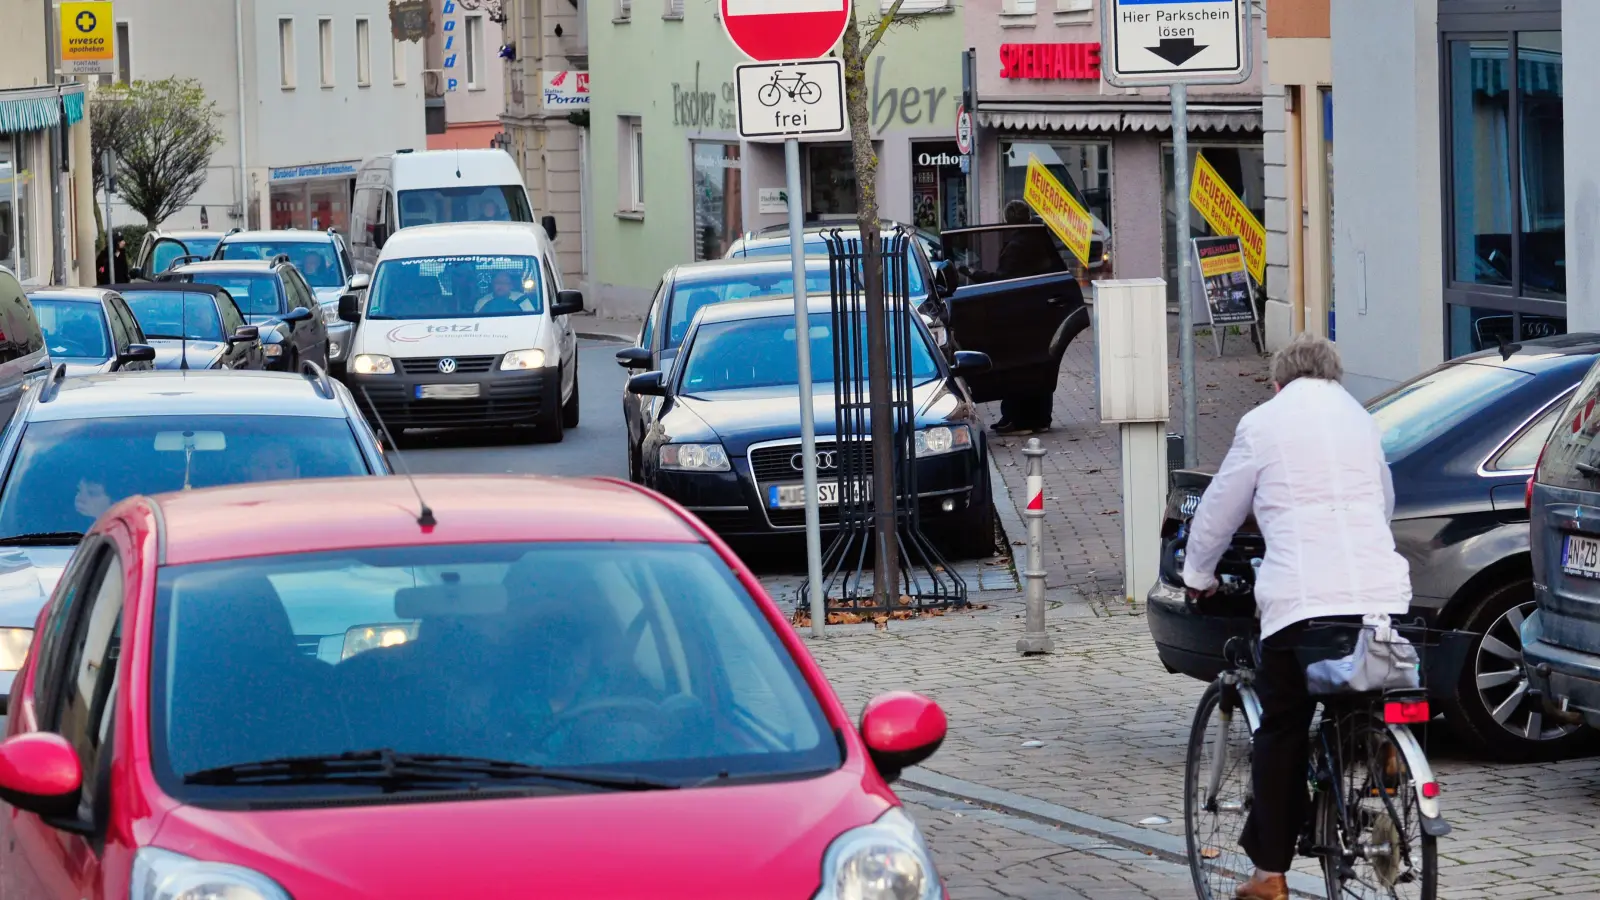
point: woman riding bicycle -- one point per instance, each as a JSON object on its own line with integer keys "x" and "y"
{"x": 1310, "y": 465}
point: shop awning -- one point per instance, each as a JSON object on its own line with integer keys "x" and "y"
{"x": 1095, "y": 116}
{"x": 38, "y": 108}
{"x": 1538, "y": 71}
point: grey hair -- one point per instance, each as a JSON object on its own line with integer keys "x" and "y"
{"x": 1306, "y": 356}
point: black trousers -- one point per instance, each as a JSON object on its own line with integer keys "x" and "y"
{"x": 1030, "y": 410}
{"x": 1281, "y": 757}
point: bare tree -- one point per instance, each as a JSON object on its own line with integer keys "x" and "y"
{"x": 162, "y": 134}
{"x": 859, "y": 44}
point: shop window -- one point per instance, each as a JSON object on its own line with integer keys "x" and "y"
{"x": 1504, "y": 220}
{"x": 1241, "y": 167}
{"x": 15, "y": 196}
{"x": 831, "y": 181}
{"x": 363, "y": 53}
{"x": 938, "y": 187}
{"x": 325, "y": 50}
{"x": 1084, "y": 168}
{"x": 1325, "y": 95}
{"x": 718, "y": 199}
{"x": 286, "y": 53}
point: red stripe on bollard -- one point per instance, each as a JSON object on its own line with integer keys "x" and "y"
{"x": 1037, "y": 502}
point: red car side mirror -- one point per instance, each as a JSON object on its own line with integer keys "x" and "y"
{"x": 901, "y": 729}
{"x": 40, "y": 773}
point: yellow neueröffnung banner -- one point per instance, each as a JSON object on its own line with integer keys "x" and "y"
{"x": 1227, "y": 215}
{"x": 1059, "y": 209}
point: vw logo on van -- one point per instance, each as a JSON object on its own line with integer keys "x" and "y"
{"x": 825, "y": 460}
{"x": 447, "y": 365}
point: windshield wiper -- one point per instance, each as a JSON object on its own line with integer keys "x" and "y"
{"x": 388, "y": 769}
{"x": 43, "y": 539}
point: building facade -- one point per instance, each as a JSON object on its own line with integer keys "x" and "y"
{"x": 1458, "y": 173}
{"x": 320, "y": 85}
{"x": 1297, "y": 116}
{"x": 1040, "y": 93}
{"x": 47, "y": 216}
{"x": 673, "y": 183}
{"x": 464, "y": 80}
{"x": 545, "y": 104}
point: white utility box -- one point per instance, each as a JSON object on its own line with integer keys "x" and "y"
{"x": 1130, "y": 342}
{"x": 1131, "y": 365}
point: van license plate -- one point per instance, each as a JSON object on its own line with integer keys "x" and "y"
{"x": 1581, "y": 557}
{"x": 447, "y": 391}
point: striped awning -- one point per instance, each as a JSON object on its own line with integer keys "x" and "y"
{"x": 1083, "y": 116}
{"x": 1538, "y": 72}
{"x": 38, "y": 108}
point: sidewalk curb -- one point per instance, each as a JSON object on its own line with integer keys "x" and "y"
{"x": 601, "y": 336}
{"x": 1167, "y": 846}
{"x": 1011, "y": 524}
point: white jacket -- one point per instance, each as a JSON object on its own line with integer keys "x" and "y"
{"x": 1310, "y": 464}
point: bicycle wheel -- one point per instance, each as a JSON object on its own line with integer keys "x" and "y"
{"x": 1217, "y": 796}
{"x": 1383, "y": 851}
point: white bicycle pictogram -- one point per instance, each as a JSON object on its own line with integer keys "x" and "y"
{"x": 795, "y": 87}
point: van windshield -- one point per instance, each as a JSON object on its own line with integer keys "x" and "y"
{"x": 456, "y": 287}
{"x": 479, "y": 203}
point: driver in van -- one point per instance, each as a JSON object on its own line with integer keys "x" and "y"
{"x": 491, "y": 211}
{"x": 503, "y": 296}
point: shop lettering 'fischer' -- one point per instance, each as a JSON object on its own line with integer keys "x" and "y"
{"x": 1226, "y": 214}
{"x": 1055, "y": 61}
{"x": 1059, "y": 209}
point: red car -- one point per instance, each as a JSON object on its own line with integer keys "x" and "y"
{"x": 532, "y": 688}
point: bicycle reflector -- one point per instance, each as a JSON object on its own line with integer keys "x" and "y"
{"x": 1430, "y": 789}
{"x": 1405, "y": 712}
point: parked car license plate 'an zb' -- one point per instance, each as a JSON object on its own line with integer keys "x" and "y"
{"x": 792, "y": 496}
{"x": 1581, "y": 556}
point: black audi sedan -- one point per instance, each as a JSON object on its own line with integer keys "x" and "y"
{"x": 725, "y": 438}
{"x": 193, "y": 326}
{"x": 1462, "y": 442}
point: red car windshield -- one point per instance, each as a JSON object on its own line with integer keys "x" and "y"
{"x": 619, "y": 660}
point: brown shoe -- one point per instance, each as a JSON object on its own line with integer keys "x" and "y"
{"x": 1263, "y": 887}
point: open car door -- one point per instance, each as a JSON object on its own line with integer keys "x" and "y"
{"x": 1011, "y": 293}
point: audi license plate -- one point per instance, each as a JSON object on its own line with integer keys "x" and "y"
{"x": 447, "y": 391}
{"x": 793, "y": 496}
{"x": 1581, "y": 556}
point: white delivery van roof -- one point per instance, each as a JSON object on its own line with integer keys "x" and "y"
{"x": 454, "y": 168}
{"x": 467, "y": 239}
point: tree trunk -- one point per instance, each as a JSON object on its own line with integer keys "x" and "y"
{"x": 886, "y": 569}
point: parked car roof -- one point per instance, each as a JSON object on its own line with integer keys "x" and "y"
{"x": 1538, "y": 355}
{"x": 83, "y": 294}
{"x": 192, "y": 392}
{"x": 281, "y": 236}
{"x": 228, "y": 265}
{"x": 224, "y": 522}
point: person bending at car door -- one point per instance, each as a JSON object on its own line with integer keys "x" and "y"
{"x": 1027, "y": 252}
{"x": 1309, "y": 464}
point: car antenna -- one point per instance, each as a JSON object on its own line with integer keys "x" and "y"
{"x": 425, "y": 513}
{"x": 458, "y": 162}
{"x": 1507, "y": 349}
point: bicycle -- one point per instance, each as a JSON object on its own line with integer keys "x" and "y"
{"x": 793, "y": 87}
{"x": 1374, "y": 819}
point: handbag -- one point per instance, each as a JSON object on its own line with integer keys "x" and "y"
{"x": 1382, "y": 660}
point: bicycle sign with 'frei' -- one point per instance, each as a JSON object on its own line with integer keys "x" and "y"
{"x": 790, "y": 99}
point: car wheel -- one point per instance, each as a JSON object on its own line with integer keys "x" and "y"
{"x": 973, "y": 537}
{"x": 1491, "y": 709}
{"x": 634, "y": 475}
{"x": 569, "y": 410}
{"x": 548, "y": 429}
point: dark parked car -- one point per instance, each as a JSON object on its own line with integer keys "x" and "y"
{"x": 91, "y": 330}
{"x": 78, "y": 445}
{"x": 1462, "y": 441}
{"x": 274, "y": 297}
{"x": 323, "y": 259}
{"x": 1561, "y": 638}
{"x": 726, "y": 436}
{"x": 193, "y": 326}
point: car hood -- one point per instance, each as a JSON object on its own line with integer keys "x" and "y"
{"x": 742, "y": 841}
{"x": 264, "y": 322}
{"x": 78, "y": 366}
{"x": 27, "y": 576}
{"x": 201, "y": 354}
{"x": 743, "y": 417}
{"x": 327, "y": 295}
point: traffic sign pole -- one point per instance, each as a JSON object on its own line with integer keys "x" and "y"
{"x": 808, "y": 423}
{"x": 1180, "y": 181}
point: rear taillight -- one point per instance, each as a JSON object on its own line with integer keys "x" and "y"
{"x": 1405, "y": 712}
{"x": 1527, "y": 501}
{"x": 1430, "y": 789}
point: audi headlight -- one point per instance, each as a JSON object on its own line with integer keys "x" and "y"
{"x": 372, "y": 364}
{"x": 943, "y": 439}
{"x": 523, "y": 359}
{"x": 164, "y": 875}
{"x": 272, "y": 350}
{"x": 694, "y": 457}
{"x": 330, "y": 315}
{"x": 887, "y": 860}
{"x": 14, "y": 643}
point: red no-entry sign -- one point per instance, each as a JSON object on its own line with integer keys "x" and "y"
{"x": 768, "y": 30}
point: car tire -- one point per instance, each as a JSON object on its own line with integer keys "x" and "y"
{"x": 548, "y": 430}
{"x": 973, "y": 537}
{"x": 1478, "y": 711}
{"x": 570, "y": 409}
{"x": 634, "y": 475}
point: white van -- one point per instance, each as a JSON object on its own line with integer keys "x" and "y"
{"x": 406, "y": 189}
{"x": 466, "y": 326}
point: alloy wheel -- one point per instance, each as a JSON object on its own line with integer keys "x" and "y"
{"x": 1502, "y": 683}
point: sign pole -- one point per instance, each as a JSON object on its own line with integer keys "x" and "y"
{"x": 111, "y": 243}
{"x": 1180, "y": 190}
{"x": 808, "y": 424}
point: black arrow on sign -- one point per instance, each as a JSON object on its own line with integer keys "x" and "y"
{"x": 1177, "y": 51}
